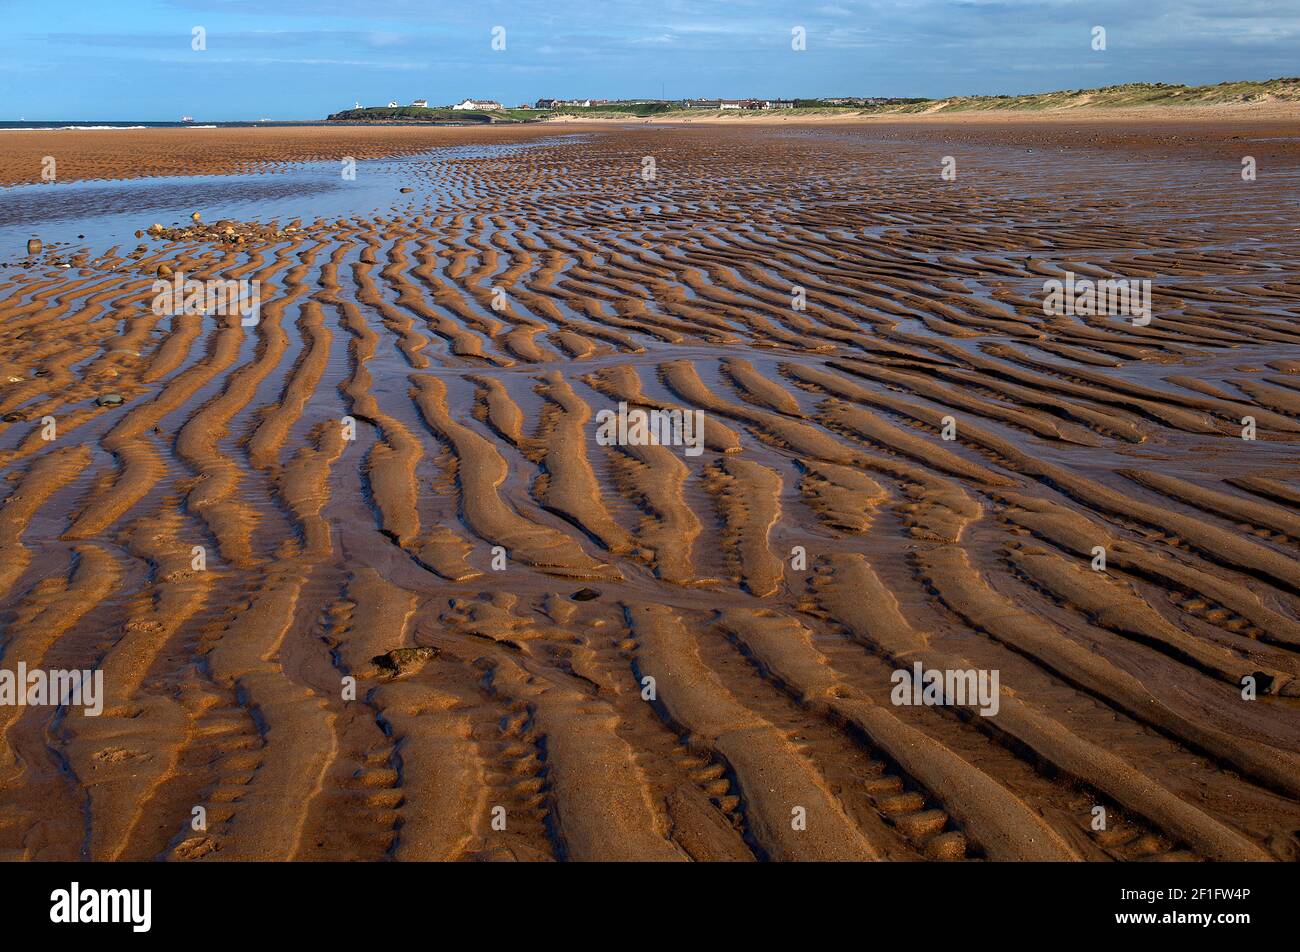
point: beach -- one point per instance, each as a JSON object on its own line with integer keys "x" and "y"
{"x": 388, "y": 566}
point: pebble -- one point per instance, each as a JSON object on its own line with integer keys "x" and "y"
{"x": 400, "y": 660}
{"x": 110, "y": 400}
{"x": 34, "y": 246}
{"x": 585, "y": 595}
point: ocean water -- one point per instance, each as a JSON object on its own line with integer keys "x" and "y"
{"x": 27, "y": 125}
{"x": 83, "y": 125}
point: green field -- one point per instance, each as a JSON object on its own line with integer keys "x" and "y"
{"x": 641, "y": 109}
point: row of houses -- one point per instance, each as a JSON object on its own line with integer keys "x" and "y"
{"x": 560, "y": 103}
{"x": 740, "y": 104}
{"x": 689, "y": 103}
{"x": 491, "y": 105}
{"x": 477, "y": 105}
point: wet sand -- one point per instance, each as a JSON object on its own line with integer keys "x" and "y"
{"x": 723, "y": 689}
{"x": 131, "y": 153}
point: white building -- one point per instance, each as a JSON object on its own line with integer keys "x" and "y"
{"x": 478, "y": 105}
{"x": 392, "y": 104}
{"x": 421, "y": 104}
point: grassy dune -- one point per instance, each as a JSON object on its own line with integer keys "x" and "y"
{"x": 1129, "y": 95}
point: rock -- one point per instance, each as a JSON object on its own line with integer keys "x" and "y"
{"x": 164, "y": 271}
{"x": 110, "y": 400}
{"x": 14, "y": 417}
{"x": 585, "y": 595}
{"x": 400, "y": 660}
{"x": 34, "y": 246}
{"x": 155, "y": 229}
{"x": 196, "y": 216}
{"x": 406, "y": 191}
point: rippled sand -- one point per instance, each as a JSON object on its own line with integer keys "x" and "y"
{"x": 475, "y": 428}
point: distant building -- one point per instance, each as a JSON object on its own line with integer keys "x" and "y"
{"x": 392, "y": 104}
{"x": 421, "y": 104}
{"x": 479, "y": 105}
{"x": 545, "y": 104}
{"x": 739, "y": 104}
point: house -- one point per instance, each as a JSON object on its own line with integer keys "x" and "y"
{"x": 392, "y": 104}
{"x": 545, "y": 104}
{"x": 420, "y": 103}
{"x": 478, "y": 105}
{"x": 740, "y": 104}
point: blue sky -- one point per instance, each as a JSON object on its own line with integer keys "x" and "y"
{"x": 301, "y": 59}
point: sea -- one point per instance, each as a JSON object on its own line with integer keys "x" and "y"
{"x": 26, "y": 125}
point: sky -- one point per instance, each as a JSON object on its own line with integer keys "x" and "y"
{"x": 303, "y": 59}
